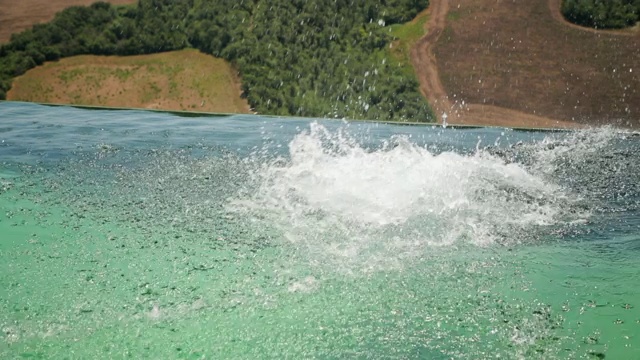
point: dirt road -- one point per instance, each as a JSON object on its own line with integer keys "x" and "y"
{"x": 425, "y": 62}
{"x": 431, "y": 87}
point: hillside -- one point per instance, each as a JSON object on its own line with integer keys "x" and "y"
{"x": 326, "y": 58}
{"x": 481, "y": 62}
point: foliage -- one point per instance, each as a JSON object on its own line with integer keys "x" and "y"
{"x": 296, "y": 57}
{"x": 613, "y": 14}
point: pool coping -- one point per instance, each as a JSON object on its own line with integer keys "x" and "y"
{"x": 184, "y": 113}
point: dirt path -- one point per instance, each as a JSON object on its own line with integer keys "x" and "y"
{"x": 431, "y": 87}
{"x": 554, "y": 8}
{"x": 425, "y": 62}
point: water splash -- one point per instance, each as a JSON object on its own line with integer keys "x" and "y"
{"x": 336, "y": 197}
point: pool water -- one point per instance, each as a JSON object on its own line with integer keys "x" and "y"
{"x": 134, "y": 234}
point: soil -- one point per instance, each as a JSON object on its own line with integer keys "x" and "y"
{"x": 498, "y": 62}
{"x": 18, "y": 15}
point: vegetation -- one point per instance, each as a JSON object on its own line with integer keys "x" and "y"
{"x": 296, "y": 57}
{"x": 406, "y": 36}
{"x": 602, "y": 14}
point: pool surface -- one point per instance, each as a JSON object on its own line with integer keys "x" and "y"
{"x": 134, "y": 234}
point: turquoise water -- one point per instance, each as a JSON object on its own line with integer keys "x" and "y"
{"x": 133, "y": 234}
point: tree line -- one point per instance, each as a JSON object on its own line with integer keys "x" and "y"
{"x": 602, "y": 14}
{"x": 325, "y": 58}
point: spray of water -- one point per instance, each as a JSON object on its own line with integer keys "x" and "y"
{"x": 335, "y": 198}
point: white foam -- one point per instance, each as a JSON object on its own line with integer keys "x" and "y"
{"x": 340, "y": 200}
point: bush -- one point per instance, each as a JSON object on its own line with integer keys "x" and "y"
{"x": 603, "y": 14}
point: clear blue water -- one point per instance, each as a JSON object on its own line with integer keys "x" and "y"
{"x": 135, "y": 234}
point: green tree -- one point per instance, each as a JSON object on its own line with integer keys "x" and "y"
{"x": 612, "y": 14}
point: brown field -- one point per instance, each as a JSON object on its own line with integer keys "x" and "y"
{"x": 179, "y": 80}
{"x": 18, "y": 15}
{"x": 520, "y": 56}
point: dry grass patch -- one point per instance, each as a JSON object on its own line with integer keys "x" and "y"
{"x": 179, "y": 80}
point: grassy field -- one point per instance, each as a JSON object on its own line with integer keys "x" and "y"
{"x": 180, "y": 80}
